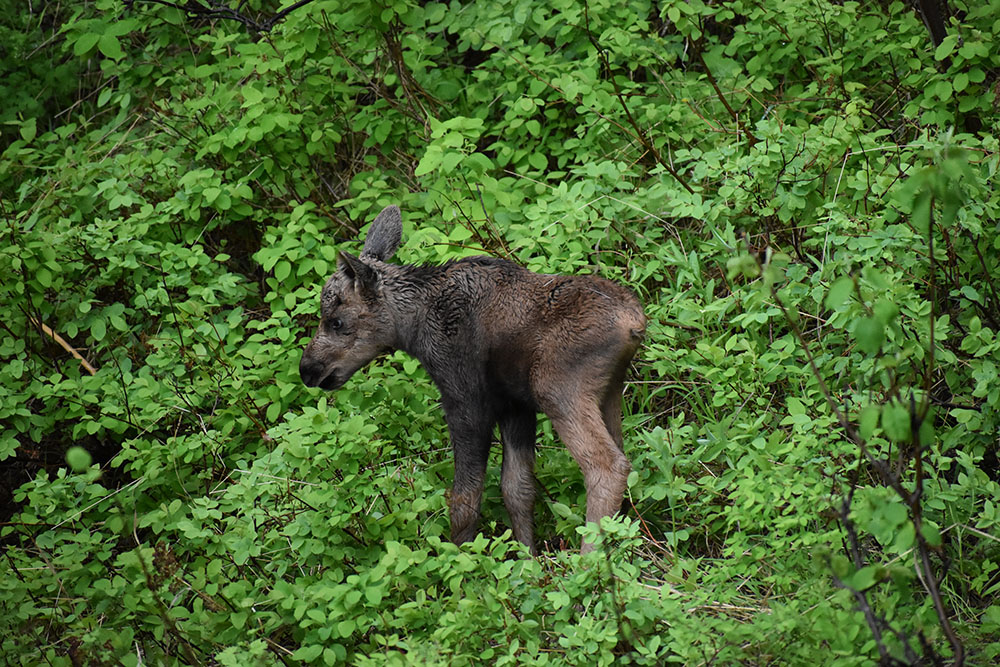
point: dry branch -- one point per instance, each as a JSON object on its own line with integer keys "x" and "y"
{"x": 62, "y": 343}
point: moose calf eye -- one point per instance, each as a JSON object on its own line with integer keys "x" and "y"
{"x": 336, "y": 323}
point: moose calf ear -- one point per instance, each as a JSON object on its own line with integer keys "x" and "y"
{"x": 385, "y": 234}
{"x": 364, "y": 277}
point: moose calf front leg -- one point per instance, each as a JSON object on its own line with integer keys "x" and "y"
{"x": 470, "y": 442}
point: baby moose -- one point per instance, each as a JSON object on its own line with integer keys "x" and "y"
{"x": 502, "y": 344}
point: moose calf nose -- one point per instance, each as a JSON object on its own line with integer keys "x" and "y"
{"x": 309, "y": 372}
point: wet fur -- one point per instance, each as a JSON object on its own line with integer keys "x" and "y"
{"x": 502, "y": 344}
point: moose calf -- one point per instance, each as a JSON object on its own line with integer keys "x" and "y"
{"x": 501, "y": 343}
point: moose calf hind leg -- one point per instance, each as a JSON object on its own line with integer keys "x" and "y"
{"x": 517, "y": 480}
{"x": 604, "y": 466}
{"x": 611, "y": 411}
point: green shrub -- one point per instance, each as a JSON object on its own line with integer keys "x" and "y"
{"x": 802, "y": 194}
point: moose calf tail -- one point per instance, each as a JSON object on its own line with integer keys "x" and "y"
{"x": 637, "y": 324}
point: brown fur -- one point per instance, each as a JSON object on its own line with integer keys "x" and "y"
{"x": 502, "y": 344}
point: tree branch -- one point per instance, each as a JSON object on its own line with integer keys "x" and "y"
{"x": 196, "y": 9}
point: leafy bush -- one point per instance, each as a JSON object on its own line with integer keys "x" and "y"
{"x": 803, "y": 194}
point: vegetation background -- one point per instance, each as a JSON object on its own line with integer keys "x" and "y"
{"x": 802, "y": 192}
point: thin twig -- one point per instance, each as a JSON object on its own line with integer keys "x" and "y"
{"x": 66, "y": 346}
{"x": 640, "y": 135}
{"x": 722, "y": 98}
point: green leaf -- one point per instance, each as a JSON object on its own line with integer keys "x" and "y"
{"x": 744, "y": 265}
{"x": 795, "y": 406}
{"x": 346, "y": 628}
{"x": 450, "y": 160}
{"x": 86, "y": 43}
{"x": 373, "y": 595}
{"x": 459, "y": 233}
{"x": 105, "y": 95}
{"x": 538, "y": 161}
{"x": 868, "y": 421}
{"x": 991, "y": 619}
{"x": 97, "y": 329}
{"x": 869, "y": 334}
{"x": 970, "y": 293}
{"x": 110, "y": 47}
{"x": 335, "y": 654}
{"x": 282, "y": 270}
{"x": 44, "y": 277}
{"x": 895, "y": 513}
{"x": 307, "y": 653}
{"x": 78, "y": 458}
{"x": 866, "y": 577}
{"x": 559, "y": 599}
{"x": 896, "y": 422}
{"x": 478, "y": 163}
{"x": 943, "y": 90}
{"x": 251, "y": 95}
{"x": 961, "y": 82}
{"x": 28, "y": 129}
{"x": 926, "y": 430}
{"x": 840, "y": 292}
{"x": 904, "y": 538}
{"x": 839, "y": 565}
{"x": 921, "y": 216}
{"x": 429, "y": 162}
{"x": 931, "y": 534}
{"x": 945, "y": 48}
{"x": 885, "y": 311}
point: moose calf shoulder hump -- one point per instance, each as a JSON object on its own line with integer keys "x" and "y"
{"x": 502, "y": 344}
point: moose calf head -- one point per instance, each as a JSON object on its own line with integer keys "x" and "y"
{"x": 355, "y": 325}
{"x": 502, "y": 344}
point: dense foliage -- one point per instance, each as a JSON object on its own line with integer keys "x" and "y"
{"x": 802, "y": 193}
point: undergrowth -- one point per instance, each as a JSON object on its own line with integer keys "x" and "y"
{"x": 802, "y": 194}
